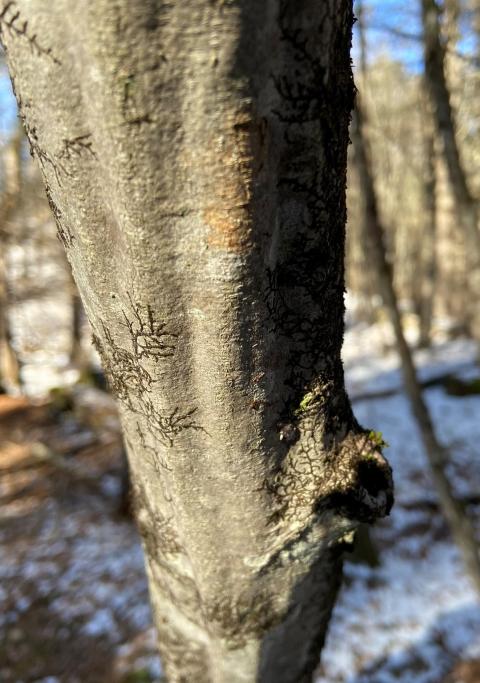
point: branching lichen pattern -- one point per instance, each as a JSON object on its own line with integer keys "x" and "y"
{"x": 133, "y": 381}
{"x": 11, "y": 21}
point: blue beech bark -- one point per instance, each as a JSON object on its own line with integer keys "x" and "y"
{"x": 194, "y": 156}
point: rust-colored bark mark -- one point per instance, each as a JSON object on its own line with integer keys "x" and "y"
{"x": 229, "y": 212}
{"x": 229, "y": 228}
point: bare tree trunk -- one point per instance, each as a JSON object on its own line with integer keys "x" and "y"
{"x": 434, "y": 53}
{"x": 475, "y": 8}
{"x": 194, "y": 156}
{"x": 362, "y": 33}
{"x": 428, "y": 264}
{"x": 461, "y": 528}
{"x": 465, "y": 203}
{"x": 9, "y": 363}
{"x": 452, "y": 16}
{"x": 77, "y": 354}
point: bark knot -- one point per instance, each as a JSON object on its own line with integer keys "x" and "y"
{"x": 360, "y": 486}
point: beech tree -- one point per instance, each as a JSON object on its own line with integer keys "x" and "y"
{"x": 194, "y": 157}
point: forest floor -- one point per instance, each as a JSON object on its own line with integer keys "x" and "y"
{"x": 73, "y": 595}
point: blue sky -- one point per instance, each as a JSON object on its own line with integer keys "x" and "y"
{"x": 394, "y": 26}
{"x": 8, "y": 107}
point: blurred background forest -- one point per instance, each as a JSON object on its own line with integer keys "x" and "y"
{"x": 73, "y": 596}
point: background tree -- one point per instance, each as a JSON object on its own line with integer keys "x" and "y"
{"x": 373, "y": 239}
{"x": 197, "y": 178}
{"x": 453, "y": 509}
{"x": 465, "y": 202}
{"x": 424, "y": 295}
{"x": 9, "y": 201}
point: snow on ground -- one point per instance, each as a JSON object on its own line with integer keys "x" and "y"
{"x": 73, "y": 591}
{"x": 406, "y": 621}
{"x": 41, "y": 330}
{"x": 412, "y": 617}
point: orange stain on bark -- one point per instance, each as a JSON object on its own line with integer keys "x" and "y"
{"x": 228, "y": 215}
{"x": 228, "y": 229}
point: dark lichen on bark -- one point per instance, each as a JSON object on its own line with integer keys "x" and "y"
{"x": 13, "y": 22}
{"x": 132, "y": 379}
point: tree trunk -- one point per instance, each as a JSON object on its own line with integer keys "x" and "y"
{"x": 453, "y": 509}
{"x": 434, "y": 55}
{"x": 428, "y": 265}
{"x": 475, "y": 9}
{"x": 452, "y": 19}
{"x": 9, "y": 363}
{"x": 362, "y": 35}
{"x": 465, "y": 203}
{"x": 77, "y": 354}
{"x": 194, "y": 156}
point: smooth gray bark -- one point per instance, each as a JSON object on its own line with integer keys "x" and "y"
{"x": 194, "y": 156}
